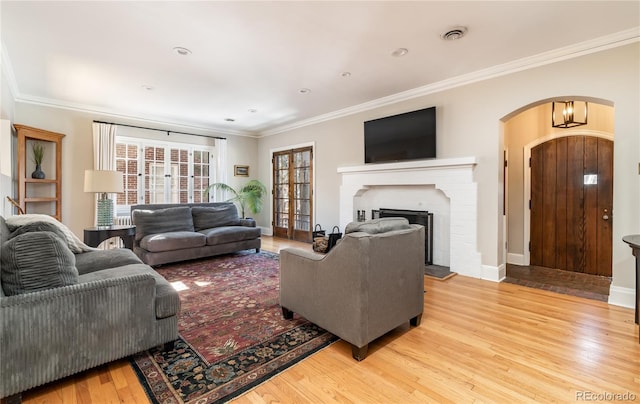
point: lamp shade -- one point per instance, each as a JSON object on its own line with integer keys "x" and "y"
{"x": 103, "y": 181}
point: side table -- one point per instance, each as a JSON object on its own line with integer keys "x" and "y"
{"x": 93, "y": 236}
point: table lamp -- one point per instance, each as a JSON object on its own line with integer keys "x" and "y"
{"x": 103, "y": 182}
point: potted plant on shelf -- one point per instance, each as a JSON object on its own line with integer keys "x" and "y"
{"x": 249, "y": 196}
{"x": 38, "y": 156}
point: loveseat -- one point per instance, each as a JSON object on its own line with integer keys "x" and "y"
{"x": 371, "y": 282}
{"x": 177, "y": 232}
{"x": 66, "y": 307}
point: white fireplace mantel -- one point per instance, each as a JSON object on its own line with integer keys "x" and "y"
{"x": 454, "y": 177}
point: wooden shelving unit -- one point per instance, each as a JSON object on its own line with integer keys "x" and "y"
{"x": 40, "y": 195}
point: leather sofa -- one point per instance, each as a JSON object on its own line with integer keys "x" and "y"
{"x": 64, "y": 310}
{"x": 371, "y": 282}
{"x": 177, "y": 232}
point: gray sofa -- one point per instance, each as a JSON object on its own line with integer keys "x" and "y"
{"x": 177, "y": 232}
{"x": 371, "y": 282}
{"x": 63, "y": 312}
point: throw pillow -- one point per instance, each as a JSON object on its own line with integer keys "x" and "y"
{"x": 73, "y": 242}
{"x": 36, "y": 261}
{"x": 162, "y": 220}
{"x": 38, "y": 226}
{"x": 376, "y": 226}
{"x": 207, "y": 217}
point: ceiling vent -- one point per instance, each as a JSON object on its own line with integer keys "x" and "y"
{"x": 454, "y": 33}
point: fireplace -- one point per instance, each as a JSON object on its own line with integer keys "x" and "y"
{"x": 421, "y": 217}
{"x": 453, "y": 177}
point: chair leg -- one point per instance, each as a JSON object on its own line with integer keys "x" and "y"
{"x": 416, "y": 320}
{"x": 167, "y": 346}
{"x": 13, "y": 399}
{"x": 359, "y": 353}
{"x": 287, "y": 314}
{"x": 257, "y": 250}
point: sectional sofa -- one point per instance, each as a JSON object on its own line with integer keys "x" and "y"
{"x": 65, "y": 307}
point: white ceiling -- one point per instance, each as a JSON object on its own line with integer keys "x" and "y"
{"x": 99, "y": 56}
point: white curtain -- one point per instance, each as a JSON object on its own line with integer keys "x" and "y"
{"x": 104, "y": 146}
{"x": 220, "y": 173}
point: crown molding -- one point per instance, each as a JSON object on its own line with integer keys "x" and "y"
{"x": 147, "y": 119}
{"x": 583, "y": 48}
{"x": 569, "y": 52}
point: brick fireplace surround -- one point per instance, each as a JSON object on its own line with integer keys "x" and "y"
{"x": 454, "y": 177}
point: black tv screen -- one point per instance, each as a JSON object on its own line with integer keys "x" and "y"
{"x": 408, "y": 136}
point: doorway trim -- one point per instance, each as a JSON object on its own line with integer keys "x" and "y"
{"x": 527, "y": 177}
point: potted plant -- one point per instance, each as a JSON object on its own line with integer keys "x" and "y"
{"x": 38, "y": 156}
{"x": 249, "y": 196}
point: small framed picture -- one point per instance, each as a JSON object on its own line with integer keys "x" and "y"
{"x": 241, "y": 171}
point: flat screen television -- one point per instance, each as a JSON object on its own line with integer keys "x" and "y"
{"x": 408, "y": 136}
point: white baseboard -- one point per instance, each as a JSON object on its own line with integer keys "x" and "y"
{"x": 515, "y": 259}
{"x": 267, "y": 231}
{"x": 494, "y": 274}
{"x": 624, "y": 297}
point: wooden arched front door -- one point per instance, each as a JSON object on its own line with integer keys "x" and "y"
{"x": 571, "y": 204}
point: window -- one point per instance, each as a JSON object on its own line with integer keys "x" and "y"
{"x": 163, "y": 172}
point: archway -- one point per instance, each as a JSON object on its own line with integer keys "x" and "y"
{"x": 524, "y": 129}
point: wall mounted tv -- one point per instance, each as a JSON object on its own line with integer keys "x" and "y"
{"x": 408, "y": 136}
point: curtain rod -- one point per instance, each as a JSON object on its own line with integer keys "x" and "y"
{"x": 168, "y": 132}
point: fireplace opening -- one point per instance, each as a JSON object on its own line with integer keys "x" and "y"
{"x": 421, "y": 217}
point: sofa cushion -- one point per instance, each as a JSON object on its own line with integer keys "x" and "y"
{"x": 162, "y": 221}
{"x": 215, "y": 216}
{"x": 102, "y": 259}
{"x": 230, "y": 234}
{"x": 167, "y": 301}
{"x": 376, "y": 226}
{"x": 176, "y": 240}
{"x": 35, "y": 261}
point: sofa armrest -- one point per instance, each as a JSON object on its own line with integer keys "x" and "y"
{"x": 248, "y": 222}
{"x": 54, "y": 333}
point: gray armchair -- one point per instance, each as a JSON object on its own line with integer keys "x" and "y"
{"x": 367, "y": 285}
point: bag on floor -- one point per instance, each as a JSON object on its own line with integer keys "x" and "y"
{"x": 334, "y": 236}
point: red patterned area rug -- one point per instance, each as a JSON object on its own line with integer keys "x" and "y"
{"x": 232, "y": 333}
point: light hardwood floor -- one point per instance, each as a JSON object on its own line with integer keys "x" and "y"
{"x": 479, "y": 341}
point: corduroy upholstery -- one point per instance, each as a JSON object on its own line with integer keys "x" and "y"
{"x": 118, "y": 307}
{"x": 180, "y": 232}
{"x": 366, "y": 286}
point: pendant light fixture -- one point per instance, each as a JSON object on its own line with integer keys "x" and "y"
{"x": 568, "y": 114}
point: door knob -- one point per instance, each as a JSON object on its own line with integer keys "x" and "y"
{"x": 605, "y": 216}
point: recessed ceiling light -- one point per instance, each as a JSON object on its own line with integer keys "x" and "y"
{"x": 400, "y": 52}
{"x": 252, "y": 110}
{"x": 345, "y": 74}
{"x": 182, "y": 51}
{"x": 304, "y": 91}
{"x": 454, "y": 33}
{"x": 146, "y": 87}
{"x": 229, "y": 119}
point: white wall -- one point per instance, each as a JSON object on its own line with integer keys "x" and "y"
{"x": 469, "y": 123}
{"x": 78, "y": 206}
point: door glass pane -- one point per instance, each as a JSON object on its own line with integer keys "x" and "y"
{"x": 154, "y": 174}
{"x": 179, "y": 176}
{"x": 201, "y": 161}
{"x": 127, "y": 164}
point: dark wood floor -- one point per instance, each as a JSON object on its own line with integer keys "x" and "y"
{"x": 559, "y": 281}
